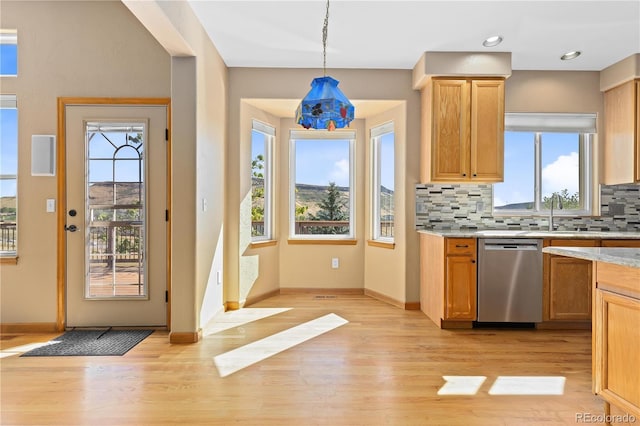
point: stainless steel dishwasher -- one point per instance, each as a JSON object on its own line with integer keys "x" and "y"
{"x": 509, "y": 280}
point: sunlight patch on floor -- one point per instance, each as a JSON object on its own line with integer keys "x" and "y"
{"x": 528, "y": 385}
{"x": 461, "y": 385}
{"x": 24, "y": 348}
{"x": 244, "y": 356}
{"x": 504, "y": 385}
{"x": 232, "y": 319}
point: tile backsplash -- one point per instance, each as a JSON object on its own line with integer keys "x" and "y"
{"x": 467, "y": 206}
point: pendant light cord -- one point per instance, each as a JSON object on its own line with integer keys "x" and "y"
{"x": 324, "y": 41}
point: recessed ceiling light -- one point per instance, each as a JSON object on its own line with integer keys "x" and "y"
{"x": 492, "y": 41}
{"x": 570, "y": 55}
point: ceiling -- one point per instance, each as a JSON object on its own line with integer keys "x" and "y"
{"x": 388, "y": 34}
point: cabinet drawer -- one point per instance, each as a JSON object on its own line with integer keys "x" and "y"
{"x": 574, "y": 243}
{"x": 620, "y": 243}
{"x": 461, "y": 246}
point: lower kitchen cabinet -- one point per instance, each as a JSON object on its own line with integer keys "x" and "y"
{"x": 567, "y": 285}
{"x": 616, "y": 337}
{"x": 461, "y": 287}
{"x": 448, "y": 280}
{"x": 620, "y": 243}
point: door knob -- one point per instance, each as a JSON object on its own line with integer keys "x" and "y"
{"x": 72, "y": 212}
{"x": 71, "y": 228}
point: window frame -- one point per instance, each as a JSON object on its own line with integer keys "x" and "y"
{"x": 584, "y": 125}
{"x": 376, "y": 134}
{"x": 269, "y": 132}
{"x": 348, "y": 135}
{"x": 8, "y": 101}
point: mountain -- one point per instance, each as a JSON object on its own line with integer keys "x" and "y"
{"x": 312, "y": 195}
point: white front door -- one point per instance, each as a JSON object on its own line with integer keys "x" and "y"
{"x": 116, "y": 185}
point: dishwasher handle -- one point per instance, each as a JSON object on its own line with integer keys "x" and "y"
{"x": 520, "y": 247}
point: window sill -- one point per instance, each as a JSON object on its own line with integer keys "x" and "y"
{"x": 309, "y": 241}
{"x": 9, "y": 260}
{"x": 264, "y": 243}
{"x": 381, "y": 244}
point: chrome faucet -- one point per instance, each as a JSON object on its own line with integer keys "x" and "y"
{"x": 557, "y": 196}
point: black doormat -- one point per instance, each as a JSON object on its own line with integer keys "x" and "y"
{"x": 91, "y": 343}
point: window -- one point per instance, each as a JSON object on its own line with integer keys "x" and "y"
{"x": 262, "y": 137}
{"x": 322, "y": 184}
{"x": 382, "y": 144}
{"x": 8, "y": 175}
{"x": 546, "y": 155}
{"x": 8, "y": 52}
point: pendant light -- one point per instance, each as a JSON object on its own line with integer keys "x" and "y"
{"x": 325, "y": 106}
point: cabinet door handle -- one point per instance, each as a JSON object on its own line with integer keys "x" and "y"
{"x": 462, "y": 245}
{"x": 475, "y": 175}
{"x": 473, "y": 261}
{"x": 464, "y": 174}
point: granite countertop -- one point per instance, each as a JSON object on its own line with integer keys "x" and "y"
{"x": 508, "y": 233}
{"x": 616, "y": 255}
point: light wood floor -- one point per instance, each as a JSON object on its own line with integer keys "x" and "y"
{"x": 384, "y": 367}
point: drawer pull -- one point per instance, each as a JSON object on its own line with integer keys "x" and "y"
{"x": 462, "y": 245}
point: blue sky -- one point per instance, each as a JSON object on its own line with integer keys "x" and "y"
{"x": 9, "y": 153}
{"x": 8, "y": 124}
{"x": 102, "y": 170}
{"x": 560, "y": 166}
{"x": 8, "y": 59}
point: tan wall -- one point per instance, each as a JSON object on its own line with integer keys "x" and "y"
{"x": 384, "y": 268}
{"x": 79, "y": 49}
{"x": 199, "y": 168}
{"x": 259, "y": 267}
{"x": 310, "y": 266}
{"x": 620, "y": 72}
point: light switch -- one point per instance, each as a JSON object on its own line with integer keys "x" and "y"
{"x": 51, "y": 205}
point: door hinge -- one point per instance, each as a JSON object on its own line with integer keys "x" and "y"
{"x": 166, "y": 134}
{"x": 166, "y": 215}
{"x": 166, "y": 296}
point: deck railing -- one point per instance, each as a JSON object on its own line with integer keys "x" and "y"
{"x": 310, "y": 227}
{"x": 8, "y": 236}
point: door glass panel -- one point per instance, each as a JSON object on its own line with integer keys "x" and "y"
{"x": 115, "y": 210}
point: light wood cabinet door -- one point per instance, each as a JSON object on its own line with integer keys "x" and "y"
{"x": 461, "y": 288}
{"x": 466, "y": 140}
{"x": 487, "y": 130}
{"x": 449, "y": 139}
{"x": 567, "y": 284}
{"x": 617, "y": 350}
{"x": 569, "y": 289}
{"x": 622, "y": 134}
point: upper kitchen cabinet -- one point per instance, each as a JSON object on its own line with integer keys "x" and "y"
{"x": 622, "y": 133}
{"x": 462, "y": 115}
{"x": 463, "y": 130}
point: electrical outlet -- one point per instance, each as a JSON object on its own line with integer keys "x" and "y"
{"x": 335, "y": 263}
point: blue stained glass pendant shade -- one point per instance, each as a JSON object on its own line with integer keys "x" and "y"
{"x": 325, "y": 106}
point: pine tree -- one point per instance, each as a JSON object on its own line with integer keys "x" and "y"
{"x": 332, "y": 208}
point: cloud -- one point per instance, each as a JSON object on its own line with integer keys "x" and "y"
{"x": 340, "y": 172}
{"x": 564, "y": 173}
